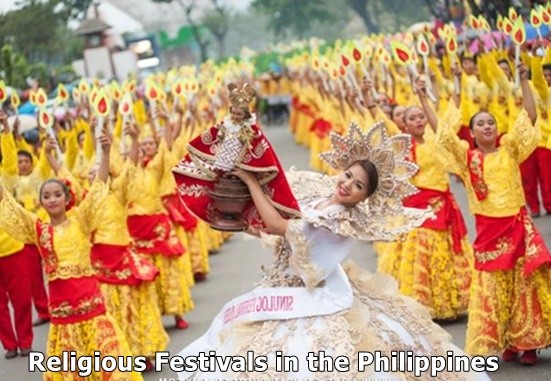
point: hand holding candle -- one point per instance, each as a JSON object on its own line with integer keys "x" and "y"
{"x": 519, "y": 37}
{"x": 102, "y": 108}
{"x": 125, "y": 109}
{"x": 46, "y": 121}
{"x": 404, "y": 56}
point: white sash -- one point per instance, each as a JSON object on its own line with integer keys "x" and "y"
{"x": 274, "y": 303}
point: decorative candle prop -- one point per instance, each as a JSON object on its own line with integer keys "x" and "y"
{"x": 125, "y": 109}
{"x": 359, "y": 62}
{"x": 101, "y": 107}
{"x": 519, "y": 37}
{"x": 153, "y": 95}
{"x": 404, "y": 56}
{"x": 15, "y": 101}
{"x": 3, "y": 93}
{"x": 46, "y": 121}
{"x": 451, "y": 48}
{"x": 536, "y": 21}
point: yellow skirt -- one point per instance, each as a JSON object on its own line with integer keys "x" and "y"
{"x": 509, "y": 310}
{"x": 431, "y": 273}
{"x": 315, "y": 150}
{"x": 388, "y": 263}
{"x": 172, "y": 288}
{"x": 136, "y": 312}
{"x": 100, "y": 333}
{"x": 188, "y": 273}
{"x": 199, "y": 254}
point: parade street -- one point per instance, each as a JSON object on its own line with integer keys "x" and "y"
{"x": 235, "y": 269}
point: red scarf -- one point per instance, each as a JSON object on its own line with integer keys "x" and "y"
{"x": 475, "y": 162}
{"x": 46, "y": 245}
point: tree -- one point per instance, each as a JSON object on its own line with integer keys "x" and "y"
{"x": 217, "y": 21}
{"x": 188, "y": 6}
{"x": 38, "y": 31}
{"x": 294, "y": 16}
{"x": 360, "y": 7}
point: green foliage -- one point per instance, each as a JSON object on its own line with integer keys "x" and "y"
{"x": 14, "y": 68}
{"x": 293, "y": 16}
{"x": 39, "y": 32}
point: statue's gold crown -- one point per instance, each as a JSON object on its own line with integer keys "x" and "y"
{"x": 241, "y": 98}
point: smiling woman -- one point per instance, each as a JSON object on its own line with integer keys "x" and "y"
{"x": 307, "y": 302}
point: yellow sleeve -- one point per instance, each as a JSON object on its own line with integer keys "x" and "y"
{"x": 505, "y": 87}
{"x": 452, "y": 149}
{"x": 483, "y": 70}
{"x": 71, "y": 148}
{"x": 22, "y": 145}
{"x": 44, "y": 171}
{"x": 523, "y": 137}
{"x": 88, "y": 144}
{"x": 17, "y": 221}
{"x": 120, "y": 184}
{"x": 87, "y": 210}
{"x": 538, "y": 78}
{"x": 9, "y": 154}
{"x": 390, "y": 126}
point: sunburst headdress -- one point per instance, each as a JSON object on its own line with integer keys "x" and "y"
{"x": 382, "y": 216}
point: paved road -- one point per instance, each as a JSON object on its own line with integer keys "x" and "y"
{"x": 235, "y": 269}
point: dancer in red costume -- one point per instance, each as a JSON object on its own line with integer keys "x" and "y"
{"x": 237, "y": 141}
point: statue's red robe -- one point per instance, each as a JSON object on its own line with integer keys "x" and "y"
{"x": 194, "y": 183}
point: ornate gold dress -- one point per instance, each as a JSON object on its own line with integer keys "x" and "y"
{"x": 308, "y": 302}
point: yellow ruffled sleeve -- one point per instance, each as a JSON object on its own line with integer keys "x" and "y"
{"x": 9, "y": 154}
{"x": 87, "y": 210}
{"x": 452, "y": 149}
{"x": 71, "y": 148}
{"x": 523, "y": 137}
{"x": 17, "y": 221}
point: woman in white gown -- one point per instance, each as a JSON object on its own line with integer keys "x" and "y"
{"x": 308, "y": 302}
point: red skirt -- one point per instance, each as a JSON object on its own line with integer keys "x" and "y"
{"x": 154, "y": 234}
{"x": 75, "y": 300}
{"x": 448, "y": 214}
{"x": 178, "y": 213}
{"x": 116, "y": 264}
{"x": 501, "y": 241}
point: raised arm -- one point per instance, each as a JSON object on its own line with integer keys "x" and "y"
{"x": 18, "y": 222}
{"x": 421, "y": 90}
{"x": 527, "y": 94}
{"x": 275, "y": 223}
{"x": 52, "y": 160}
{"x": 105, "y": 146}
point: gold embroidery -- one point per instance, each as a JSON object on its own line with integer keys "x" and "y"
{"x": 300, "y": 260}
{"x": 64, "y": 310}
{"x": 436, "y": 203}
{"x": 504, "y": 245}
{"x": 71, "y": 271}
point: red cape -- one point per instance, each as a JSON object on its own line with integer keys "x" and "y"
{"x": 260, "y": 158}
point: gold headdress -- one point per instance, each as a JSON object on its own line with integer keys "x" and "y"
{"x": 382, "y": 216}
{"x": 241, "y": 98}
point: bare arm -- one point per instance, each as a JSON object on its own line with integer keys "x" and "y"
{"x": 132, "y": 130}
{"x": 421, "y": 89}
{"x": 275, "y": 223}
{"x": 52, "y": 160}
{"x": 527, "y": 94}
{"x": 105, "y": 146}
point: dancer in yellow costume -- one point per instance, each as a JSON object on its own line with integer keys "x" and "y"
{"x": 434, "y": 263}
{"x": 79, "y": 321}
{"x": 510, "y": 305}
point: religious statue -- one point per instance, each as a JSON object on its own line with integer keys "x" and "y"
{"x": 205, "y": 183}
